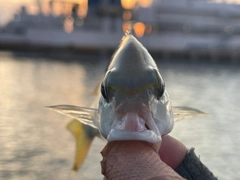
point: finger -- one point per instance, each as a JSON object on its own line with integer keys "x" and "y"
{"x": 134, "y": 160}
{"x": 172, "y": 151}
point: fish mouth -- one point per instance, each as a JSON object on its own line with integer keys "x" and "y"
{"x": 132, "y": 126}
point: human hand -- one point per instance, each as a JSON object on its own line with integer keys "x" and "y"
{"x": 172, "y": 151}
{"x": 136, "y": 160}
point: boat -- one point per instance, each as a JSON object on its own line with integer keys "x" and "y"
{"x": 191, "y": 28}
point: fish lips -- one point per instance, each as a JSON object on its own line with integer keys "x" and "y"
{"x": 131, "y": 126}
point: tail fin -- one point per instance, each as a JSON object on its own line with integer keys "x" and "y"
{"x": 84, "y": 136}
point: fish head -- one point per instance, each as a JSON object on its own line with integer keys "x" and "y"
{"x": 134, "y": 104}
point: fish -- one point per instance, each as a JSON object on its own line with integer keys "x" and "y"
{"x": 133, "y": 100}
{"x": 84, "y": 136}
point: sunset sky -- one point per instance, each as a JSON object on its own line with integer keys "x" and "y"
{"x": 9, "y": 7}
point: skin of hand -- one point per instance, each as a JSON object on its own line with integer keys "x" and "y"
{"x": 172, "y": 151}
{"x": 134, "y": 160}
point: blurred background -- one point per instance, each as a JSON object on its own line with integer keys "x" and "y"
{"x": 55, "y": 52}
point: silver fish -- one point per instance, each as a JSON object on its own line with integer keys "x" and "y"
{"x": 134, "y": 104}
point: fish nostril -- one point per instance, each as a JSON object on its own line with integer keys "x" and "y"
{"x": 147, "y": 126}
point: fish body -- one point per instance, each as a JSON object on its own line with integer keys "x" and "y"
{"x": 133, "y": 104}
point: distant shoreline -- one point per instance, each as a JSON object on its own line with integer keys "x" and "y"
{"x": 106, "y": 54}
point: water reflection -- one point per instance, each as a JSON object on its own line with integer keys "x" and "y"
{"x": 31, "y": 135}
{"x": 36, "y": 145}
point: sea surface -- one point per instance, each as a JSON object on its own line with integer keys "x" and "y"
{"x": 34, "y": 141}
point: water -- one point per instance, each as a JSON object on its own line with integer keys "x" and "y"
{"x": 34, "y": 143}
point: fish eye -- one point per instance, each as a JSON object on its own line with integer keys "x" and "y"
{"x": 104, "y": 93}
{"x": 160, "y": 86}
{"x": 160, "y": 91}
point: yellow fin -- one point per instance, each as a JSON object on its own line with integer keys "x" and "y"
{"x": 84, "y": 136}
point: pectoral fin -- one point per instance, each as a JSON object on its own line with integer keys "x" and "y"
{"x": 84, "y": 136}
{"x": 182, "y": 112}
{"x": 86, "y": 115}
